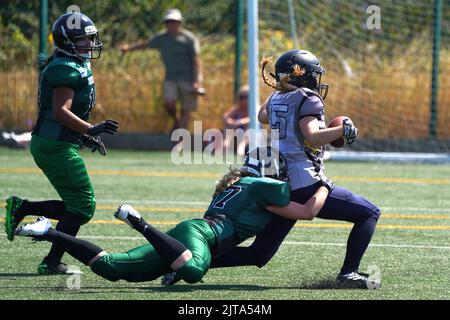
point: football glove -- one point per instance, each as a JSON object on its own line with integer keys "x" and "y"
{"x": 108, "y": 126}
{"x": 327, "y": 183}
{"x": 350, "y": 132}
{"x": 93, "y": 143}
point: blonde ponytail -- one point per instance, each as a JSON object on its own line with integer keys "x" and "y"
{"x": 282, "y": 85}
{"x": 233, "y": 176}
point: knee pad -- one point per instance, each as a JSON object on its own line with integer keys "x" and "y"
{"x": 372, "y": 209}
{"x": 90, "y": 210}
{"x": 105, "y": 270}
{"x": 190, "y": 272}
{"x": 376, "y": 212}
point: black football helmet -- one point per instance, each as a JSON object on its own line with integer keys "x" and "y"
{"x": 265, "y": 162}
{"x": 313, "y": 70}
{"x": 71, "y": 27}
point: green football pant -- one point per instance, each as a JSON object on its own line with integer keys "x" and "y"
{"x": 66, "y": 171}
{"x": 144, "y": 264}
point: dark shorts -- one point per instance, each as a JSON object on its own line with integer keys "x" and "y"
{"x": 341, "y": 204}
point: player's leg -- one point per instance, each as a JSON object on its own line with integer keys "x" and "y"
{"x": 198, "y": 237}
{"x": 172, "y": 251}
{"x": 170, "y": 93}
{"x": 343, "y": 205}
{"x": 51, "y": 209}
{"x": 17, "y": 209}
{"x": 68, "y": 224}
{"x": 137, "y": 265}
{"x": 67, "y": 173}
{"x": 140, "y": 264}
{"x": 184, "y": 248}
{"x": 82, "y": 250}
{"x": 263, "y": 248}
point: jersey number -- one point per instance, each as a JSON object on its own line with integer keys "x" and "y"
{"x": 231, "y": 192}
{"x": 278, "y": 119}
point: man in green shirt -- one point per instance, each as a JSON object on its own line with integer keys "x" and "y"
{"x": 180, "y": 53}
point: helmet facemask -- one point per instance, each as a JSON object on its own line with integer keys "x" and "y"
{"x": 322, "y": 88}
{"x": 311, "y": 80}
{"x": 93, "y": 51}
{"x": 265, "y": 162}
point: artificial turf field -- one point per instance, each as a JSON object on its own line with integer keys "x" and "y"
{"x": 410, "y": 248}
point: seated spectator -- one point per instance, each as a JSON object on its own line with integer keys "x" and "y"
{"x": 237, "y": 118}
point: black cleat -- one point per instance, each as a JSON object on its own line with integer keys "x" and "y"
{"x": 170, "y": 279}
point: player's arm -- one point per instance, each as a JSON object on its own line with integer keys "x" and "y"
{"x": 132, "y": 47}
{"x": 198, "y": 72}
{"x": 307, "y": 211}
{"x": 241, "y": 122}
{"x": 62, "y": 103}
{"x": 262, "y": 114}
{"x": 315, "y": 136}
{"x": 231, "y": 122}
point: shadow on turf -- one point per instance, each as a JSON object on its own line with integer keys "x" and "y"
{"x": 324, "y": 284}
{"x": 18, "y": 275}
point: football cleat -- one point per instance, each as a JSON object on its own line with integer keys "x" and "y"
{"x": 54, "y": 268}
{"x": 37, "y": 229}
{"x": 12, "y": 220}
{"x": 357, "y": 280}
{"x": 128, "y": 214}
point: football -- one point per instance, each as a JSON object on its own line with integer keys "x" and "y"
{"x": 338, "y": 143}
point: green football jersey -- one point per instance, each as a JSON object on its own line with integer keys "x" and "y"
{"x": 64, "y": 72}
{"x": 243, "y": 206}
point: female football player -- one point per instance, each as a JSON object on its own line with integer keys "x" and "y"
{"x": 296, "y": 109}
{"x": 243, "y": 203}
{"x": 66, "y": 98}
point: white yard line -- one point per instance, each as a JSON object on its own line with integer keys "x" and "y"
{"x": 295, "y": 243}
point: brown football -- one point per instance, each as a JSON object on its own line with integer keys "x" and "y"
{"x": 338, "y": 143}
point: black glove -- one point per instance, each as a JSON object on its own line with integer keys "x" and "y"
{"x": 350, "y": 132}
{"x": 327, "y": 183}
{"x": 108, "y": 126}
{"x": 93, "y": 143}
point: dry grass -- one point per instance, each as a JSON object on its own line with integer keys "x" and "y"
{"x": 388, "y": 99}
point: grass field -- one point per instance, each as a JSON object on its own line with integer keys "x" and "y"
{"x": 410, "y": 246}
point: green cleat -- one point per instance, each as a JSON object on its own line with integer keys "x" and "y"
{"x": 13, "y": 204}
{"x": 46, "y": 269}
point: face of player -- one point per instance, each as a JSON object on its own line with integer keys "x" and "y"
{"x": 86, "y": 43}
{"x": 173, "y": 26}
